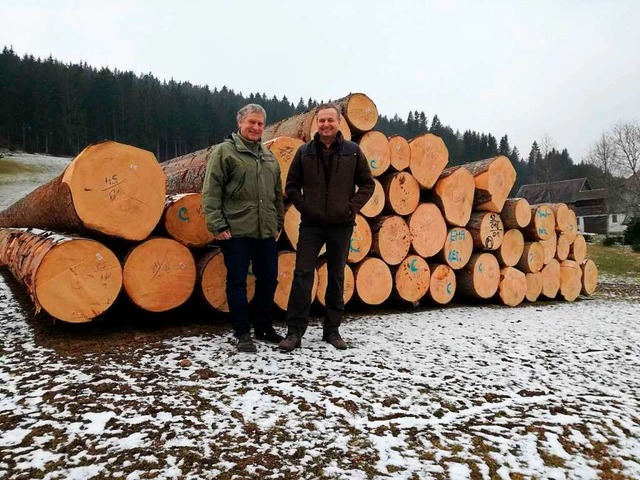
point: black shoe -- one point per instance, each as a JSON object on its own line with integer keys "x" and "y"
{"x": 268, "y": 335}
{"x": 291, "y": 342}
{"x": 245, "y": 344}
{"x": 335, "y": 339}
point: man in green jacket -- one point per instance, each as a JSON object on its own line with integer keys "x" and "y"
{"x": 243, "y": 208}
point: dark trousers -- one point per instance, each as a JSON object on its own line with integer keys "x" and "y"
{"x": 263, "y": 255}
{"x": 310, "y": 242}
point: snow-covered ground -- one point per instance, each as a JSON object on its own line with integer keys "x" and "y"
{"x": 547, "y": 391}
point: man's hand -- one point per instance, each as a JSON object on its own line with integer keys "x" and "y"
{"x": 226, "y": 235}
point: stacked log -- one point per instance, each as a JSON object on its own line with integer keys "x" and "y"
{"x": 73, "y": 279}
{"x": 183, "y": 220}
{"x": 212, "y": 280}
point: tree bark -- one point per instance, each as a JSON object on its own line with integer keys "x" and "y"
{"x": 442, "y": 284}
{"x": 453, "y": 193}
{"x": 391, "y": 239}
{"x": 73, "y": 279}
{"x": 516, "y": 213}
{"x": 303, "y": 127}
{"x": 400, "y": 153}
{"x": 589, "y": 277}
{"x": 532, "y": 259}
{"x": 109, "y": 188}
{"x": 428, "y": 230}
{"x": 401, "y": 193}
{"x": 457, "y": 249}
{"x": 486, "y": 230}
{"x": 185, "y": 174}
{"x": 183, "y": 220}
{"x": 480, "y": 278}
{"x": 494, "y": 178}
{"x": 513, "y": 286}
{"x": 512, "y": 247}
{"x": 429, "y": 156}
{"x": 212, "y": 280}
{"x": 159, "y": 274}
{"x": 411, "y": 279}
{"x": 375, "y": 147}
{"x": 373, "y": 281}
{"x": 323, "y": 280}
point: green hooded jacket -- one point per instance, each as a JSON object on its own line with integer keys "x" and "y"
{"x": 242, "y": 190}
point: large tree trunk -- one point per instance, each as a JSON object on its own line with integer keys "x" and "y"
{"x": 375, "y": 147}
{"x": 375, "y": 204}
{"x": 578, "y": 251}
{"x": 534, "y": 286}
{"x": 561, "y": 215}
{"x": 159, "y": 274}
{"x": 542, "y": 224}
{"x": 457, "y": 249}
{"x": 400, "y": 153}
{"x": 183, "y": 220}
{"x": 391, "y": 239}
{"x": 360, "y": 240}
{"x": 109, "y": 188}
{"x": 72, "y": 279}
{"x": 373, "y": 281}
{"x": 480, "y": 277}
{"x": 442, "y": 284}
{"x": 516, "y": 213}
{"x": 429, "y": 156}
{"x": 550, "y": 246}
{"x": 486, "y": 230}
{"x": 401, "y": 193}
{"x": 411, "y": 279}
{"x": 348, "y": 286}
{"x": 284, "y": 149}
{"x": 185, "y": 174}
{"x": 428, "y": 230}
{"x": 512, "y": 247}
{"x": 453, "y": 193}
{"x": 551, "y": 279}
{"x": 286, "y": 267}
{"x": 359, "y": 110}
{"x": 212, "y": 279}
{"x": 513, "y": 286}
{"x": 589, "y": 277}
{"x": 570, "y": 280}
{"x": 494, "y": 178}
{"x": 532, "y": 259}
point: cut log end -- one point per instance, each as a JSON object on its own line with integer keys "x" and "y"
{"x": 78, "y": 280}
{"x": 360, "y": 111}
{"x": 428, "y": 230}
{"x": 391, "y": 240}
{"x": 286, "y": 268}
{"x": 516, "y": 213}
{"x": 486, "y": 230}
{"x": 375, "y": 204}
{"x": 542, "y": 224}
{"x": 373, "y": 281}
{"x": 412, "y": 278}
{"x": 532, "y": 259}
{"x": 570, "y": 280}
{"x": 360, "y": 242}
{"x": 117, "y": 189}
{"x": 348, "y": 286}
{"x": 159, "y": 274}
{"x": 402, "y": 193}
{"x": 375, "y": 147}
{"x": 442, "y": 284}
{"x": 429, "y": 156}
{"x": 551, "y": 279}
{"x": 578, "y": 251}
{"x": 213, "y": 280}
{"x": 512, "y": 247}
{"x": 480, "y": 278}
{"x": 400, "y": 153}
{"x": 454, "y": 195}
{"x": 284, "y": 149}
{"x": 184, "y": 220}
{"x": 513, "y": 287}
{"x": 457, "y": 249}
{"x": 534, "y": 286}
{"x": 589, "y": 277}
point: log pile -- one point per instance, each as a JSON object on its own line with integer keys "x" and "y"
{"x": 428, "y": 234}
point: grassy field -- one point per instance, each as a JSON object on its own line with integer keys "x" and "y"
{"x": 616, "y": 260}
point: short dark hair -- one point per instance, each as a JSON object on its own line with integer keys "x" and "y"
{"x": 328, "y": 105}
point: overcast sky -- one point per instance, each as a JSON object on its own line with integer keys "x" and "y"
{"x": 567, "y": 69}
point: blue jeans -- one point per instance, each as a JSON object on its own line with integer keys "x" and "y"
{"x": 262, "y": 253}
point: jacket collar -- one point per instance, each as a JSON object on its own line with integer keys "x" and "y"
{"x": 242, "y": 147}
{"x": 319, "y": 144}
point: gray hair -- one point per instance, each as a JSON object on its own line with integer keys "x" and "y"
{"x": 251, "y": 108}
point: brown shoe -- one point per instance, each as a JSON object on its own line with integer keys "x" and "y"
{"x": 336, "y": 340}
{"x": 290, "y": 342}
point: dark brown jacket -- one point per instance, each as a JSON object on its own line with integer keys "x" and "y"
{"x": 335, "y": 202}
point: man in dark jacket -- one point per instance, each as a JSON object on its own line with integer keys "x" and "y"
{"x": 322, "y": 184}
{"x": 243, "y": 207}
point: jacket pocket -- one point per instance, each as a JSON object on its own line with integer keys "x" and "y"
{"x": 238, "y": 214}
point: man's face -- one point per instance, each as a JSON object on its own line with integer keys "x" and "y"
{"x": 251, "y": 126}
{"x": 328, "y": 123}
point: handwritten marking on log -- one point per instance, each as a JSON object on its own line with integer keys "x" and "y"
{"x": 411, "y": 278}
{"x": 360, "y": 242}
